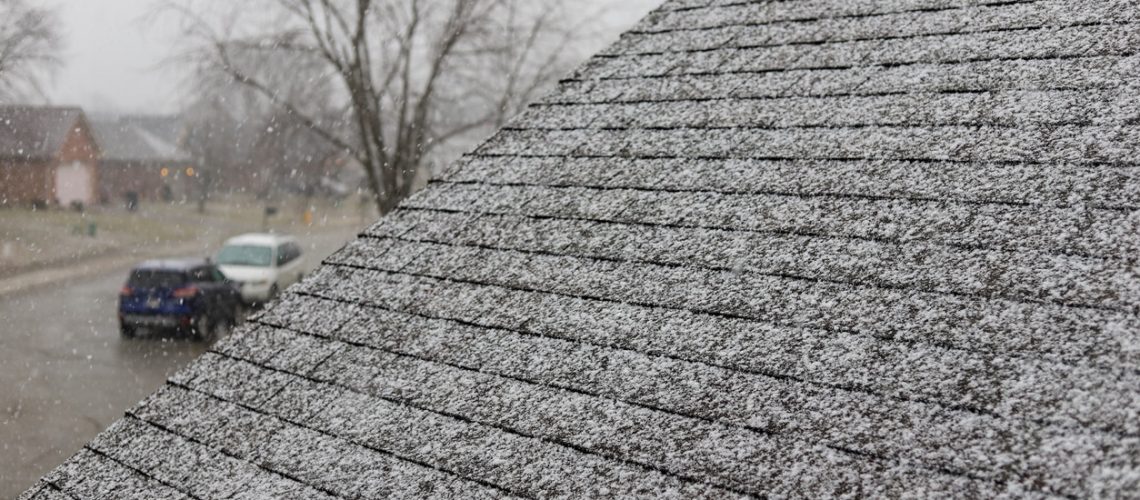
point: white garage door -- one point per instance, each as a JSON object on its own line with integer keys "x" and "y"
{"x": 73, "y": 183}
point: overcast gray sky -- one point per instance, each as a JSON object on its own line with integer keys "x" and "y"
{"x": 114, "y": 53}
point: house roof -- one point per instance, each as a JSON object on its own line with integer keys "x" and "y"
{"x": 35, "y": 132}
{"x": 137, "y": 140}
{"x": 798, "y": 248}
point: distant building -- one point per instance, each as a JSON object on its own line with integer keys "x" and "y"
{"x": 142, "y": 159}
{"x": 48, "y": 155}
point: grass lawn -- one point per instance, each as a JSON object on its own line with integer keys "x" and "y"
{"x": 34, "y": 239}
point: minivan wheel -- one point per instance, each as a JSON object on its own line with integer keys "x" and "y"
{"x": 239, "y": 315}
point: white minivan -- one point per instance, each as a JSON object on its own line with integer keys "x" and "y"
{"x": 262, "y": 264}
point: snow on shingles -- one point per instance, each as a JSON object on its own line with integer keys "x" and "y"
{"x": 331, "y": 463}
{"x": 741, "y": 458}
{"x": 214, "y": 370}
{"x": 733, "y": 12}
{"x": 88, "y": 475}
{"x": 46, "y": 493}
{"x": 194, "y": 468}
{"x": 1054, "y": 144}
{"x": 971, "y": 19}
{"x": 935, "y": 436}
{"x": 1036, "y": 74}
{"x": 518, "y": 463}
{"x": 1037, "y": 184}
{"x": 285, "y": 313}
{"x": 1016, "y": 275}
{"x": 1008, "y": 109}
{"x": 1020, "y": 44}
{"x": 1101, "y": 398}
{"x": 1065, "y": 230}
{"x": 228, "y": 428}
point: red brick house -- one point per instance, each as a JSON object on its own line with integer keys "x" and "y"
{"x": 48, "y": 155}
{"x": 141, "y": 159}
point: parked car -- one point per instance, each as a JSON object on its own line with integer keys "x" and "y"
{"x": 188, "y": 296}
{"x": 262, "y": 264}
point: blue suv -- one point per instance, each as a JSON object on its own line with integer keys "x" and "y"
{"x": 188, "y": 296}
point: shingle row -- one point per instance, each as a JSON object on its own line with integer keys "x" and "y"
{"x": 1000, "y": 109}
{"x": 1078, "y": 41}
{"x": 193, "y": 468}
{"x": 1022, "y": 387}
{"x": 440, "y": 372}
{"x": 1076, "y": 230}
{"x": 970, "y": 19}
{"x": 1035, "y": 184}
{"x": 703, "y": 14}
{"x": 88, "y": 475}
{"x": 605, "y": 363}
{"x": 1016, "y": 276}
{"x": 336, "y": 465}
{"x": 1093, "y": 72}
{"x": 493, "y": 455}
{"x": 1037, "y": 144}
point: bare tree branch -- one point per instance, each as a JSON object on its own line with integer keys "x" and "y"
{"x": 412, "y": 76}
{"x": 29, "y": 49}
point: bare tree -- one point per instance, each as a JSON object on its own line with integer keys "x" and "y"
{"x": 411, "y": 75}
{"x": 29, "y": 48}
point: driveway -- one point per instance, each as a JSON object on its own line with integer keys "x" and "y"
{"x": 65, "y": 374}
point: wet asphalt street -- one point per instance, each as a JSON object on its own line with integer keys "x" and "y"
{"x": 65, "y": 374}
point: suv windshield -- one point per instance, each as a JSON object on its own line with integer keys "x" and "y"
{"x": 245, "y": 255}
{"x": 156, "y": 278}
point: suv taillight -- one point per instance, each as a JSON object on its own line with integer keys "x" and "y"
{"x": 125, "y": 291}
{"x": 185, "y": 292}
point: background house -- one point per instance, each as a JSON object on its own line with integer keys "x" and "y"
{"x": 142, "y": 159}
{"x": 48, "y": 155}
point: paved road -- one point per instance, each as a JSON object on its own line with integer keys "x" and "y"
{"x": 65, "y": 374}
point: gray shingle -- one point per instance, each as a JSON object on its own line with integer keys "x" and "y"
{"x": 787, "y": 408}
{"x": 1078, "y": 229}
{"x": 830, "y": 28}
{"x": 1027, "y": 183}
{"x": 1044, "y": 43}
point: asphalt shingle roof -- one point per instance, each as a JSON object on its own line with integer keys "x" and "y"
{"x": 795, "y": 248}
{"x": 35, "y": 132}
{"x": 135, "y": 141}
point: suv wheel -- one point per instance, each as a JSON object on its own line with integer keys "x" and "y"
{"x": 127, "y": 332}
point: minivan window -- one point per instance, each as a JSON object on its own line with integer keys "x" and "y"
{"x": 286, "y": 253}
{"x": 156, "y": 278}
{"x": 245, "y": 255}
